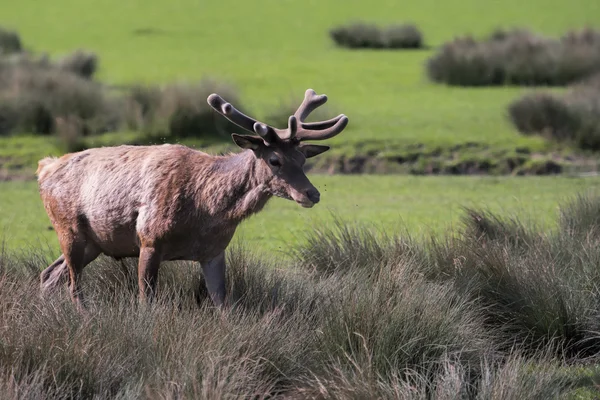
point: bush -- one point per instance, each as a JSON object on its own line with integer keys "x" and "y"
{"x": 406, "y": 36}
{"x": 181, "y": 110}
{"x": 60, "y": 97}
{"x": 40, "y": 94}
{"x": 35, "y": 94}
{"x": 573, "y": 117}
{"x": 366, "y": 35}
{"x": 9, "y": 116}
{"x": 516, "y": 57}
{"x": 141, "y": 106}
{"x": 10, "y": 42}
{"x": 80, "y": 62}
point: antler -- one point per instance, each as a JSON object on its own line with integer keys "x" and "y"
{"x": 297, "y": 128}
{"x": 315, "y": 130}
{"x": 242, "y": 120}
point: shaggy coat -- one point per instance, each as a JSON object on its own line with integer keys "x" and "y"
{"x": 171, "y": 202}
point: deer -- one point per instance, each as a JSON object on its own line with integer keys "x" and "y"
{"x": 170, "y": 202}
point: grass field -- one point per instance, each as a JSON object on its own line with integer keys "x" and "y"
{"x": 390, "y": 318}
{"x": 418, "y": 205}
{"x": 501, "y": 311}
{"x": 274, "y": 50}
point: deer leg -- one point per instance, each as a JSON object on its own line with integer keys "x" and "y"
{"x": 77, "y": 255}
{"x": 214, "y": 276}
{"x": 149, "y": 263}
{"x": 58, "y": 271}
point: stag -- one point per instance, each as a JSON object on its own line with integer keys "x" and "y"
{"x": 170, "y": 202}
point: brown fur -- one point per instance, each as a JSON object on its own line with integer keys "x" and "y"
{"x": 166, "y": 202}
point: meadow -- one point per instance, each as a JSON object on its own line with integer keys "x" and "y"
{"x": 497, "y": 310}
{"x": 388, "y": 288}
{"x": 393, "y": 108}
{"x": 421, "y": 206}
{"x": 391, "y": 104}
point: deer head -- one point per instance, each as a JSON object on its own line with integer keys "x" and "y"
{"x": 281, "y": 151}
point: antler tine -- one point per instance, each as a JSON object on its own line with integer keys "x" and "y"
{"x": 317, "y": 126}
{"x": 311, "y": 101}
{"x": 240, "y": 119}
{"x": 329, "y": 130}
{"x": 321, "y": 130}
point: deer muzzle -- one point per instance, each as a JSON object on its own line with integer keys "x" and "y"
{"x": 306, "y": 198}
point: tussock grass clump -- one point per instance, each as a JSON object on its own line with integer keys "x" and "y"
{"x": 537, "y": 288}
{"x": 580, "y": 217}
{"x": 174, "y": 348}
{"x": 366, "y": 35}
{"x": 497, "y": 309}
{"x": 10, "y": 42}
{"x": 573, "y": 117}
{"x": 80, "y": 62}
{"x": 516, "y": 57}
{"x": 345, "y": 248}
{"x": 36, "y": 93}
{"x": 180, "y": 110}
{"x": 61, "y": 98}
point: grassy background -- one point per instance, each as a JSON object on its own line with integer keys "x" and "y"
{"x": 275, "y": 49}
{"x": 419, "y": 205}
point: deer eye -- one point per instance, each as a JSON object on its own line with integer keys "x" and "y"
{"x": 274, "y": 161}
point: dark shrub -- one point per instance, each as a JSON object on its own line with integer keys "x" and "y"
{"x": 366, "y": 35}
{"x": 572, "y": 117}
{"x": 35, "y": 115}
{"x": 181, "y": 110}
{"x": 9, "y": 116}
{"x": 35, "y": 93}
{"x": 80, "y": 62}
{"x": 141, "y": 106}
{"x": 358, "y": 35}
{"x": 538, "y": 112}
{"x": 10, "y": 42}
{"x": 516, "y": 57}
{"x": 41, "y": 92}
{"x": 70, "y": 131}
{"x": 465, "y": 62}
{"x": 406, "y": 36}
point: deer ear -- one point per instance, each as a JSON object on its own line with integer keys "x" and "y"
{"x": 311, "y": 150}
{"x": 247, "y": 142}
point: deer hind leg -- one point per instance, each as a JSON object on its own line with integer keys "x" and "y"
{"x": 78, "y": 253}
{"x": 214, "y": 275}
{"x": 149, "y": 263}
{"x": 58, "y": 273}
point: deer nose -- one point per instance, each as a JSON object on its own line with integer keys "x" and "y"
{"x": 313, "y": 195}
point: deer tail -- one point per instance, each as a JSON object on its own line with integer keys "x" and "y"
{"x": 43, "y": 166}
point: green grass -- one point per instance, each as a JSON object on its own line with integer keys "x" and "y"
{"x": 419, "y": 205}
{"x": 272, "y": 50}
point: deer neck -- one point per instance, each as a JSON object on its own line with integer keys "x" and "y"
{"x": 238, "y": 188}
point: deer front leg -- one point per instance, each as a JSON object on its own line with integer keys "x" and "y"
{"x": 214, "y": 276}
